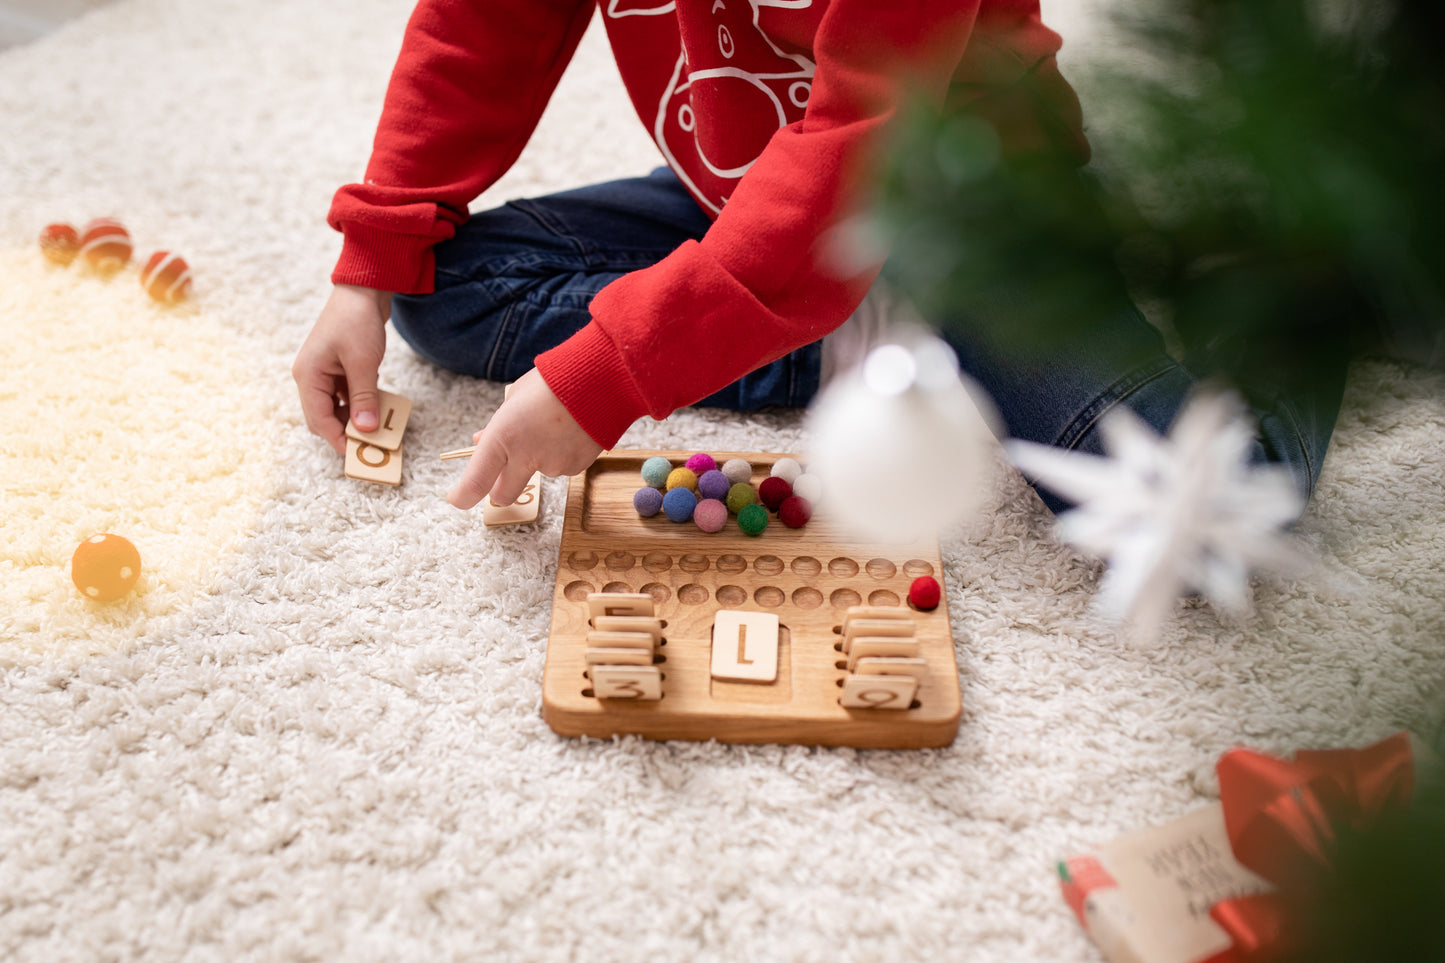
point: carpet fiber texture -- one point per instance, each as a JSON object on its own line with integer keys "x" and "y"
{"x": 315, "y": 732}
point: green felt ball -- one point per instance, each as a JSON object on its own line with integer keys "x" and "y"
{"x": 741, "y": 496}
{"x": 753, "y": 519}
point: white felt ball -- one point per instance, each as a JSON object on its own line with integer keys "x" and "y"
{"x": 809, "y": 486}
{"x": 787, "y": 469}
{"x": 900, "y": 443}
{"x": 738, "y": 470}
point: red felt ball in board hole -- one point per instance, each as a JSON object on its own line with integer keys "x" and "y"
{"x": 166, "y": 277}
{"x": 925, "y": 593}
{"x": 60, "y": 243}
{"x": 105, "y": 244}
{"x": 772, "y": 490}
{"x": 795, "y": 511}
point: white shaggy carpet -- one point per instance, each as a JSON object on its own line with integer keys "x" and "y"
{"x": 315, "y": 733}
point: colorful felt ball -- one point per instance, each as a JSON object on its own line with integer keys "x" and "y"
{"x": 753, "y": 519}
{"x": 105, "y": 567}
{"x": 678, "y": 504}
{"x": 809, "y": 487}
{"x": 772, "y": 490}
{"x": 794, "y": 512}
{"x": 60, "y": 243}
{"x": 787, "y": 469}
{"x": 925, "y": 593}
{"x": 655, "y": 471}
{"x": 738, "y": 470}
{"x": 700, "y": 463}
{"x": 166, "y": 277}
{"x": 740, "y": 496}
{"x": 713, "y": 484}
{"x": 105, "y": 244}
{"x": 647, "y": 501}
{"x": 710, "y": 515}
{"x": 682, "y": 478}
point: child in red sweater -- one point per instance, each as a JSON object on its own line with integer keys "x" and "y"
{"x": 712, "y": 281}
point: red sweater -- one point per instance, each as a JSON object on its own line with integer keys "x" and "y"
{"x": 766, "y": 109}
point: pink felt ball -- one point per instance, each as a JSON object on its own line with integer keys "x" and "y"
{"x": 794, "y": 512}
{"x": 710, "y": 514}
{"x": 701, "y": 462}
{"x": 925, "y": 593}
{"x": 772, "y": 490}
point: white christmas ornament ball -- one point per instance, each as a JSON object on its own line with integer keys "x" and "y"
{"x": 902, "y": 445}
{"x": 809, "y": 486}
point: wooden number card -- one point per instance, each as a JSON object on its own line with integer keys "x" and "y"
{"x": 745, "y": 635}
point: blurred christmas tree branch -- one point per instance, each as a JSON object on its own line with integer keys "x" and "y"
{"x": 1270, "y": 182}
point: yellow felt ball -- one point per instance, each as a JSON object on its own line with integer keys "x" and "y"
{"x": 682, "y": 478}
{"x": 105, "y": 567}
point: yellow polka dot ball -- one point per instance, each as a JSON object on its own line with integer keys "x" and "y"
{"x": 105, "y": 567}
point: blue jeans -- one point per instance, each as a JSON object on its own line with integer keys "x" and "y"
{"x": 518, "y": 280}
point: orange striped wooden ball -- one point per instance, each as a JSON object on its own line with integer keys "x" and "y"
{"x": 60, "y": 243}
{"x": 166, "y": 277}
{"x": 105, "y": 244}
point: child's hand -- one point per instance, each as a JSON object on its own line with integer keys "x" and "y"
{"x": 340, "y": 359}
{"x": 532, "y": 431}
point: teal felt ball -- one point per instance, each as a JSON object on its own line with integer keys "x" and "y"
{"x": 655, "y": 471}
{"x": 753, "y": 519}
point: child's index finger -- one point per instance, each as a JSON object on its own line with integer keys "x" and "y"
{"x": 480, "y": 474}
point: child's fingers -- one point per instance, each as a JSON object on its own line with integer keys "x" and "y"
{"x": 363, "y": 397}
{"x": 318, "y": 406}
{"x": 510, "y": 483}
{"x": 480, "y": 475}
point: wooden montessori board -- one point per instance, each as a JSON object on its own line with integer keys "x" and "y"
{"x": 808, "y": 577}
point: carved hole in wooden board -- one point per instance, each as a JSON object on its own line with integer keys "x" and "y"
{"x": 657, "y": 562}
{"x": 732, "y": 594}
{"x": 916, "y": 567}
{"x": 768, "y": 565}
{"x": 883, "y": 597}
{"x": 694, "y": 563}
{"x": 842, "y": 598}
{"x": 807, "y": 566}
{"x": 692, "y": 594}
{"x": 578, "y": 591}
{"x": 620, "y": 561}
{"x": 881, "y": 568}
{"x": 581, "y": 560}
{"x": 732, "y": 564}
{"x": 660, "y": 593}
{"x": 621, "y": 588}
{"x": 842, "y": 568}
{"x": 807, "y": 598}
{"x": 770, "y": 596}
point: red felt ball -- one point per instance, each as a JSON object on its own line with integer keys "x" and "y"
{"x": 166, "y": 277}
{"x": 60, "y": 243}
{"x": 773, "y": 490}
{"x": 795, "y": 511}
{"x": 925, "y": 593}
{"x": 105, "y": 244}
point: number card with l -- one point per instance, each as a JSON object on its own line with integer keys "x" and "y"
{"x": 745, "y": 646}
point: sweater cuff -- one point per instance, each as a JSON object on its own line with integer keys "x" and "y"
{"x": 372, "y": 258}
{"x": 587, "y": 374}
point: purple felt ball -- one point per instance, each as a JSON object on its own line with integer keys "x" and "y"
{"x": 647, "y": 501}
{"x": 678, "y": 504}
{"x": 700, "y": 463}
{"x": 710, "y": 514}
{"x": 713, "y": 484}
